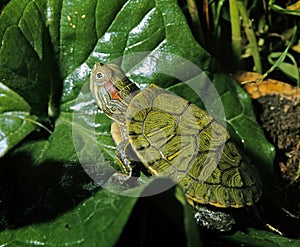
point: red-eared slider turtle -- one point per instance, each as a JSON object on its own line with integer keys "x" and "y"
{"x": 172, "y": 137}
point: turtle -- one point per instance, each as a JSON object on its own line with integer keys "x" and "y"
{"x": 162, "y": 134}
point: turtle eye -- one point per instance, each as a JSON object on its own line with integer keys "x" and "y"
{"x": 99, "y": 75}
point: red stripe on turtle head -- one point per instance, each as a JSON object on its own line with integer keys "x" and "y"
{"x": 112, "y": 90}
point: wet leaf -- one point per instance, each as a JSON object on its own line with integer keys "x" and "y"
{"x": 15, "y": 119}
{"x": 254, "y": 237}
{"x": 95, "y": 222}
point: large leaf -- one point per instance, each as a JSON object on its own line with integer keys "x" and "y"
{"x": 15, "y": 119}
{"x": 253, "y": 237}
{"x": 100, "y": 219}
{"x": 47, "y": 51}
{"x": 96, "y": 222}
{"x": 25, "y": 62}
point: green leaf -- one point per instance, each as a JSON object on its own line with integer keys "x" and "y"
{"x": 254, "y": 237}
{"x": 15, "y": 119}
{"x": 191, "y": 230}
{"x": 289, "y": 69}
{"x": 25, "y": 64}
{"x": 279, "y": 9}
{"x": 98, "y": 221}
{"x": 166, "y": 210}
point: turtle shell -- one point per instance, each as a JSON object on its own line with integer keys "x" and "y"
{"x": 173, "y": 137}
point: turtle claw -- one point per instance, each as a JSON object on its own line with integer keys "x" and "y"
{"x": 124, "y": 179}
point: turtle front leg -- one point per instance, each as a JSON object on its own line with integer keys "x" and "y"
{"x": 129, "y": 162}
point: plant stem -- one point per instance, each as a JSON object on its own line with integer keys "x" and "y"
{"x": 198, "y": 32}
{"x": 216, "y": 13}
{"x": 235, "y": 31}
{"x": 247, "y": 25}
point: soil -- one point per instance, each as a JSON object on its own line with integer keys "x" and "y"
{"x": 279, "y": 117}
{"x": 277, "y": 106}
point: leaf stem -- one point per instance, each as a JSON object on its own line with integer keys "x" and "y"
{"x": 38, "y": 124}
{"x": 284, "y": 53}
{"x": 247, "y": 24}
{"x": 278, "y": 61}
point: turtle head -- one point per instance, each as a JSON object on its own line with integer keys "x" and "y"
{"x": 111, "y": 89}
